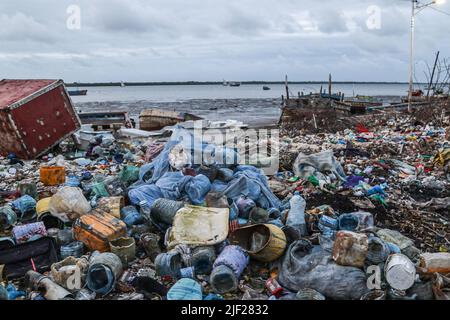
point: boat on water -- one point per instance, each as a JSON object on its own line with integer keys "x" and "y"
{"x": 235, "y": 84}
{"x": 265, "y": 88}
{"x": 77, "y": 92}
{"x": 122, "y": 84}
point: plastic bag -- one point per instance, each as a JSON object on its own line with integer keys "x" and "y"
{"x": 302, "y": 269}
{"x": 129, "y": 175}
{"x": 68, "y": 204}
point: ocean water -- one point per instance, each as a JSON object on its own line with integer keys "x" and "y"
{"x": 172, "y": 93}
{"x": 247, "y": 103}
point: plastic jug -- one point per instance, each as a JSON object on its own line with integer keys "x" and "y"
{"x": 296, "y": 216}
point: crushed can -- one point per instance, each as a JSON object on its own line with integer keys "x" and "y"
{"x": 274, "y": 287}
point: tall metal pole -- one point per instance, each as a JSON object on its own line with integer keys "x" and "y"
{"x": 411, "y": 54}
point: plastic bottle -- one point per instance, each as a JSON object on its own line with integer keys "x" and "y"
{"x": 145, "y": 209}
{"x": 296, "y": 216}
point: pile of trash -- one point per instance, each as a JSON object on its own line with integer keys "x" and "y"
{"x": 149, "y": 220}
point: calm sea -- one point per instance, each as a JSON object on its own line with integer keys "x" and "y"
{"x": 172, "y": 93}
{"x": 247, "y": 103}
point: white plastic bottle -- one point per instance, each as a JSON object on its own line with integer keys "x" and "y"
{"x": 296, "y": 216}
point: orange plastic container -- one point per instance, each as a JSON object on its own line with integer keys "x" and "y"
{"x": 96, "y": 230}
{"x": 52, "y": 176}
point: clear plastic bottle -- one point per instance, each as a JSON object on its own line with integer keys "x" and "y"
{"x": 145, "y": 209}
{"x": 296, "y": 216}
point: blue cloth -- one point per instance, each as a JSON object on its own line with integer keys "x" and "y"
{"x": 173, "y": 186}
{"x": 248, "y": 181}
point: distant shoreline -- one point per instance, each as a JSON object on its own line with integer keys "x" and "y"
{"x": 196, "y": 83}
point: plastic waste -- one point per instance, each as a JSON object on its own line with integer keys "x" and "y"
{"x": 194, "y": 225}
{"x": 8, "y": 218}
{"x": 164, "y": 210}
{"x": 85, "y": 294}
{"x": 168, "y": 264}
{"x": 203, "y": 259}
{"x": 52, "y": 176}
{"x": 263, "y": 242}
{"x": 223, "y": 279}
{"x": 129, "y": 175}
{"x": 185, "y": 289}
{"x": 378, "y": 250}
{"x": 72, "y": 181}
{"x": 350, "y": 249}
{"x": 68, "y": 204}
{"x": 3, "y": 293}
{"x": 63, "y": 273}
{"x": 245, "y": 205}
{"x": 28, "y": 189}
{"x": 73, "y": 249}
{"x": 52, "y": 291}
{"x": 348, "y": 222}
{"x": 234, "y": 257}
{"x": 435, "y": 262}
{"x": 150, "y": 243}
{"x": 309, "y": 294}
{"x": 400, "y": 272}
{"x": 296, "y": 216}
{"x": 103, "y": 273}
{"x": 300, "y": 268}
{"x": 26, "y": 206}
{"x": 26, "y": 232}
{"x": 131, "y": 216}
{"x": 125, "y": 249}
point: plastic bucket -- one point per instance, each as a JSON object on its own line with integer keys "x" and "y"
{"x": 272, "y": 241}
{"x": 104, "y": 270}
{"x": 234, "y": 257}
{"x": 168, "y": 264}
{"x": 164, "y": 210}
{"x": 125, "y": 249}
{"x": 73, "y": 249}
{"x": 203, "y": 259}
{"x": 223, "y": 279}
{"x": 52, "y": 176}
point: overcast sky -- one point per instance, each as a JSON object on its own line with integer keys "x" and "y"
{"x": 180, "y": 40}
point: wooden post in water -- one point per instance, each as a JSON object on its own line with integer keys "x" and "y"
{"x": 287, "y": 88}
{"x": 329, "y": 85}
{"x": 432, "y": 74}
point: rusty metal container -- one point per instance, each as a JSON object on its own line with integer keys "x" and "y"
{"x": 35, "y": 115}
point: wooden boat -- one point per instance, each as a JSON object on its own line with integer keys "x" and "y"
{"x": 265, "y": 88}
{"x": 235, "y": 84}
{"x": 156, "y": 119}
{"x": 77, "y": 92}
{"x": 106, "y": 120}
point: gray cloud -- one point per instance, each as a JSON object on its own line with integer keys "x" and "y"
{"x": 170, "y": 40}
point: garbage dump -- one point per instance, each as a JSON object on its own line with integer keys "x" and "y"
{"x": 359, "y": 214}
